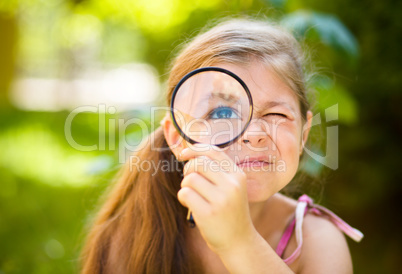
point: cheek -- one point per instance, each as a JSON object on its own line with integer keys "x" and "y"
{"x": 289, "y": 144}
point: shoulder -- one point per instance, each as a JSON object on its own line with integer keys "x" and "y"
{"x": 325, "y": 249}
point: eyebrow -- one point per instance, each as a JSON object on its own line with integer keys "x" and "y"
{"x": 224, "y": 96}
{"x": 271, "y": 104}
{"x": 214, "y": 96}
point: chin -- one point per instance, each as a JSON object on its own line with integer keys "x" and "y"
{"x": 258, "y": 191}
{"x": 261, "y": 185}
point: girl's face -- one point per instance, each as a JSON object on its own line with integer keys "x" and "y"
{"x": 269, "y": 150}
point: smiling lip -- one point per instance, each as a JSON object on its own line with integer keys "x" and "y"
{"x": 255, "y": 162}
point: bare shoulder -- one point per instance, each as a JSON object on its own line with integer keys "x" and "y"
{"x": 325, "y": 249}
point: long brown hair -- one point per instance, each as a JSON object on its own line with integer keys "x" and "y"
{"x": 141, "y": 228}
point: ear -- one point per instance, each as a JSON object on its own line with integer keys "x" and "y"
{"x": 172, "y": 136}
{"x": 306, "y": 130}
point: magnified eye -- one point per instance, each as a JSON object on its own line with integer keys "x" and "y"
{"x": 223, "y": 113}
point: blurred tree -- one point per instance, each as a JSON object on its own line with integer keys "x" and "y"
{"x": 368, "y": 180}
{"x": 9, "y": 34}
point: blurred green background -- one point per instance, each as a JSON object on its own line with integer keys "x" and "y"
{"x": 57, "y": 55}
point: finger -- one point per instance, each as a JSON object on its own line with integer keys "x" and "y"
{"x": 218, "y": 173}
{"x": 189, "y": 198}
{"x": 203, "y": 163}
{"x": 213, "y": 152}
{"x": 202, "y": 186}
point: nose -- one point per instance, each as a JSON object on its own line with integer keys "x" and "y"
{"x": 256, "y": 133}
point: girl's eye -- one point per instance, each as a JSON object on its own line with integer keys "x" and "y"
{"x": 276, "y": 114}
{"x": 223, "y": 113}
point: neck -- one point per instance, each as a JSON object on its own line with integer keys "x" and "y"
{"x": 259, "y": 212}
{"x": 256, "y": 211}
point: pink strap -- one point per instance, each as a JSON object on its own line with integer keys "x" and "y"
{"x": 286, "y": 237}
{"x": 306, "y": 204}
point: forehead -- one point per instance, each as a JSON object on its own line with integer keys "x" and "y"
{"x": 266, "y": 88}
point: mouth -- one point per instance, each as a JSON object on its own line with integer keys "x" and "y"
{"x": 255, "y": 161}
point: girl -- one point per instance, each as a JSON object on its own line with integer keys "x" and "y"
{"x": 243, "y": 224}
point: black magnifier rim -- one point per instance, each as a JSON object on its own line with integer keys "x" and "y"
{"x": 203, "y": 69}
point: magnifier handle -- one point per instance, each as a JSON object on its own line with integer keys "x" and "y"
{"x": 190, "y": 219}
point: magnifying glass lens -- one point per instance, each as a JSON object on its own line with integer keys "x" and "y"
{"x": 211, "y": 106}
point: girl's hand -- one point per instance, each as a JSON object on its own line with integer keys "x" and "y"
{"x": 214, "y": 188}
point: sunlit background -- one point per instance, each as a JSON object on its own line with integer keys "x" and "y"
{"x": 102, "y": 61}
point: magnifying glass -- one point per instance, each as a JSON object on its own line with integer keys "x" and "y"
{"x": 213, "y": 106}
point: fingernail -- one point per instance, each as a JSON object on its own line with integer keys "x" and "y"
{"x": 182, "y": 153}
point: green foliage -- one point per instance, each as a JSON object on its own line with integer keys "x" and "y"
{"x": 330, "y": 93}
{"x": 48, "y": 189}
{"x": 327, "y": 28}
